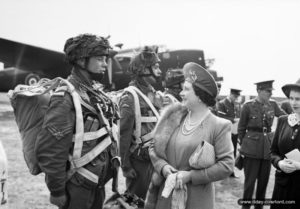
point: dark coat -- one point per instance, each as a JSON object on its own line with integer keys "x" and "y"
{"x": 257, "y": 118}
{"x": 287, "y": 185}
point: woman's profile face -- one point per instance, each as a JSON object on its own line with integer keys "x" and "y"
{"x": 295, "y": 100}
{"x": 189, "y": 98}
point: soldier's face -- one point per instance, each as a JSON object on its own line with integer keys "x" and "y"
{"x": 265, "y": 94}
{"x": 189, "y": 98}
{"x": 97, "y": 64}
{"x": 295, "y": 100}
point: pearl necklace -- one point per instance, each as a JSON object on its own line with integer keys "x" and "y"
{"x": 188, "y": 127}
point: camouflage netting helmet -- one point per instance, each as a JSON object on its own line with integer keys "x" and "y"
{"x": 86, "y": 45}
{"x": 145, "y": 59}
{"x": 173, "y": 77}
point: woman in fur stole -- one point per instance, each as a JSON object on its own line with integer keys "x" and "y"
{"x": 180, "y": 130}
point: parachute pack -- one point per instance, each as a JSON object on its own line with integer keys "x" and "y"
{"x": 30, "y": 104}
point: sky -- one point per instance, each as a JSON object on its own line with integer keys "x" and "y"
{"x": 250, "y": 40}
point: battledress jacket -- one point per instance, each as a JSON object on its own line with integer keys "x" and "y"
{"x": 54, "y": 144}
{"x": 228, "y": 110}
{"x": 216, "y": 131}
{"x": 257, "y": 118}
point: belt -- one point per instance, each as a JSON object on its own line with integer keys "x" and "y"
{"x": 262, "y": 130}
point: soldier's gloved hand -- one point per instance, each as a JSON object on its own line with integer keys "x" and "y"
{"x": 59, "y": 201}
{"x": 130, "y": 173}
{"x": 167, "y": 170}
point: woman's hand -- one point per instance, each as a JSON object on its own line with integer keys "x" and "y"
{"x": 167, "y": 170}
{"x": 295, "y": 163}
{"x": 183, "y": 177}
{"x": 286, "y": 166}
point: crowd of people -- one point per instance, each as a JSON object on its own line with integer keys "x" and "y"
{"x": 171, "y": 146}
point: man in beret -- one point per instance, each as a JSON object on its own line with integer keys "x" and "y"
{"x": 230, "y": 109}
{"x": 254, "y": 131}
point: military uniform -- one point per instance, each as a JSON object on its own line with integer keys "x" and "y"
{"x": 135, "y": 155}
{"x": 78, "y": 160}
{"x": 55, "y": 142}
{"x": 230, "y": 111}
{"x": 254, "y": 130}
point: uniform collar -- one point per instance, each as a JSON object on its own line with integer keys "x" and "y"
{"x": 262, "y": 103}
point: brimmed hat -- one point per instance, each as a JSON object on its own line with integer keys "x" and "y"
{"x": 288, "y": 87}
{"x": 265, "y": 85}
{"x": 201, "y": 78}
{"x": 235, "y": 92}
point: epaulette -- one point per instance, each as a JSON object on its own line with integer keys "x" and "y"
{"x": 272, "y": 100}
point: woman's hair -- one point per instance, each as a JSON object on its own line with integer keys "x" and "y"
{"x": 295, "y": 88}
{"x": 204, "y": 96}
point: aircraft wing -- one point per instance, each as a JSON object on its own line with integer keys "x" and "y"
{"x": 33, "y": 59}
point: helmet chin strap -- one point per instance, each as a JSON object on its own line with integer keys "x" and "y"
{"x": 93, "y": 76}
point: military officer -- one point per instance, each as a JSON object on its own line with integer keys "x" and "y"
{"x": 254, "y": 131}
{"x": 230, "y": 109}
{"x": 77, "y": 169}
{"x": 173, "y": 86}
{"x": 139, "y": 107}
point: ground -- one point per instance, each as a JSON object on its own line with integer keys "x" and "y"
{"x": 30, "y": 192}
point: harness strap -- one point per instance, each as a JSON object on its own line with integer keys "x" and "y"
{"x": 145, "y": 140}
{"x": 88, "y": 174}
{"x": 88, "y": 157}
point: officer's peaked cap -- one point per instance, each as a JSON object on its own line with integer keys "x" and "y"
{"x": 265, "y": 85}
{"x": 235, "y": 91}
{"x": 201, "y": 78}
{"x": 288, "y": 87}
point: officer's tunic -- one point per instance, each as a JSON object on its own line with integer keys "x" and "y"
{"x": 54, "y": 145}
{"x": 254, "y": 130}
{"x": 139, "y": 158}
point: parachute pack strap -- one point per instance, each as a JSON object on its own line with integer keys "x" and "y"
{"x": 88, "y": 136}
{"x": 137, "y": 113}
{"x": 88, "y": 157}
{"x": 88, "y": 174}
{"x": 89, "y": 107}
{"x": 148, "y": 119}
{"x": 78, "y": 141}
{"x": 147, "y": 100}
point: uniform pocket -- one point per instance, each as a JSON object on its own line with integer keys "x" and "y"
{"x": 250, "y": 144}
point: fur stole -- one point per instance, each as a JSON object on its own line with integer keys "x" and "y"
{"x": 170, "y": 120}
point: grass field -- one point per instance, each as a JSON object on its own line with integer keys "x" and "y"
{"x": 30, "y": 192}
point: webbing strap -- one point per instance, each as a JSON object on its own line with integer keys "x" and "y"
{"x": 146, "y": 99}
{"x": 78, "y": 141}
{"x": 88, "y": 174}
{"x": 137, "y": 113}
{"x": 139, "y": 119}
{"x": 88, "y": 157}
{"x": 148, "y": 119}
{"x": 93, "y": 134}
